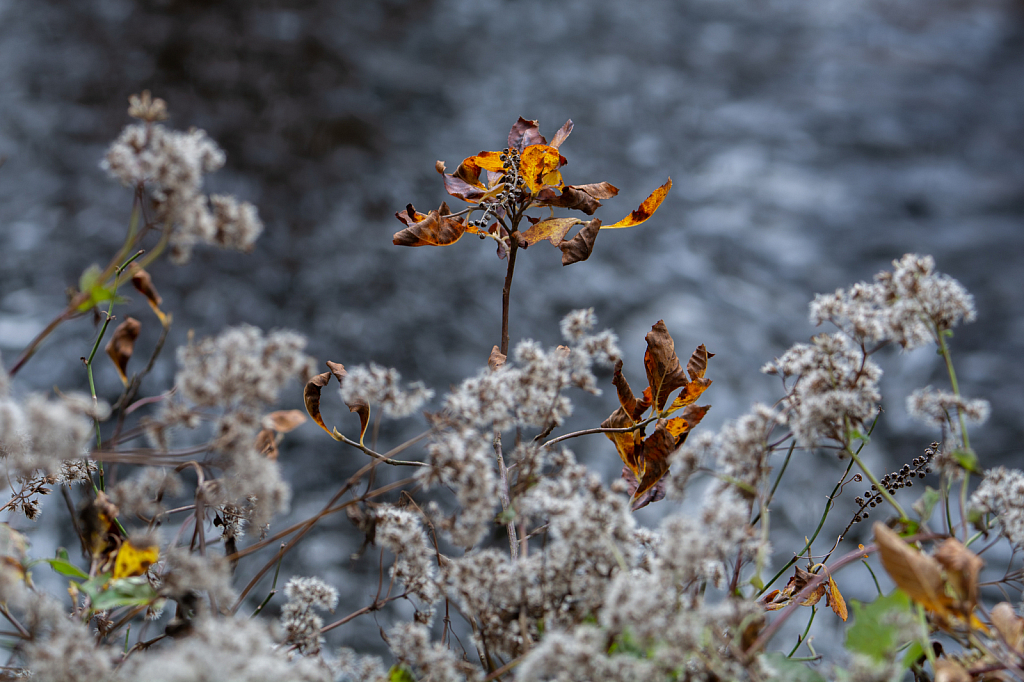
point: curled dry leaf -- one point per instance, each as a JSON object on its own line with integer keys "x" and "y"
{"x": 359, "y": 406}
{"x": 122, "y": 345}
{"x": 664, "y": 374}
{"x": 143, "y": 283}
{"x": 581, "y": 246}
{"x": 584, "y": 198}
{"x": 311, "y": 397}
{"x": 646, "y": 209}
{"x": 562, "y": 133}
{"x": 834, "y": 599}
{"x": 434, "y": 229}
{"x": 656, "y": 493}
{"x": 496, "y": 359}
{"x": 552, "y": 229}
{"x": 525, "y": 133}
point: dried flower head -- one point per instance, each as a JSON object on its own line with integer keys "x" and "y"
{"x": 147, "y": 108}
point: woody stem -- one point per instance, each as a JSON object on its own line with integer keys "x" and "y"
{"x": 513, "y": 247}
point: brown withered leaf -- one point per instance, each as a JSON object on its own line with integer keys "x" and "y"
{"x": 584, "y": 198}
{"x": 359, "y": 406}
{"x": 143, "y": 283}
{"x": 655, "y": 493}
{"x": 916, "y": 573}
{"x": 410, "y": 216}
{"x": 437, "y": 229}
{"x": 646, "y": 209}
{"x": 539, "y": 166}
{"x": 1009, "y": 625}
{"x": 496, "y": 359}
{"x": 562, "y": 133}
{"x": 266, "y": 443}
{"x": 122, "y": 345}
{"x": 697, "y": 365}
{"x": 98, "y": 528}
{"x": 311, "y": 397}
{"x": 778, "y": 599}
{"x": 283, "y": 421}
{"x": 632, "y": 407}
{"x": 552, "y": 229}
{"x": 962, "y": 570}
{"x": 581, "y": 246}
{"x": 525, "y": 133}
{"x": 439, "y": 166}
{"x": 664, "y": 373}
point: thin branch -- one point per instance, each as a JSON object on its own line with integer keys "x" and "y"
{"x": 587, "y": 432}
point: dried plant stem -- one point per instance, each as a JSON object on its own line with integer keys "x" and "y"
{"x": 341, "y": 438}
{"x": 375, "y": 606}
{"x": 513, "y": 540}
{"x": 587, "y": 432}
{"x": 506, "y": 292}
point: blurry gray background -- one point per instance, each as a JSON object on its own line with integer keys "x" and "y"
{"x": 810, "y": 143}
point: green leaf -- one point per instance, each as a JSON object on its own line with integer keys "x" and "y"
{"x": 926, "y": 503}
{"x": 125, "y": 592}
{"x": 64, "y": 567}
{"x": 876, "y": 626}
{"x": 90, "y": 283}
{"x": 90, "y": 278}
{"x": 399, "y": 673}
{"x": 785, "y": 669}
{"x": 967, "y": 459}
{"x": 914, "y": 652}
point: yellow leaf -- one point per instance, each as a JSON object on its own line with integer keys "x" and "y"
{"x": 132, "y": 560}
{"x": 646, "y": 209}
{"x": 835, "y": 601}
{"x": 539, "y": 166}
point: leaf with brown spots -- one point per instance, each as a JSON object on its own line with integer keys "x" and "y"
{"x": 122, "y": 345}
{"x": 539, "y": 166}
{"x": 646, "y": 209}
{"x": 581, "y": 246}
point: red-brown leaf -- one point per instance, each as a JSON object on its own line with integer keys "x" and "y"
{"x": 524, "y": 133}
{"x": 311, "y": 397}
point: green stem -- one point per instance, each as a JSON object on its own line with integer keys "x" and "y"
{"x": 803, "y": 638}
{"x": 778, "y": 479}
{"x": 947, "y": 356}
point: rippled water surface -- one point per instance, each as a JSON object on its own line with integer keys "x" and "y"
{"x": 810, "y": 143}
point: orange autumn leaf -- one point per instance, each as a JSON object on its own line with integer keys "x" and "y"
{"x": 834, "y": 599}
{"x": 539, "y": 166}
{"x": 646, "y": 209}
{"x": 914, "y": 572}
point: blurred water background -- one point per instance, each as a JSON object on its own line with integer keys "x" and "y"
{"x": 810, "y": 144}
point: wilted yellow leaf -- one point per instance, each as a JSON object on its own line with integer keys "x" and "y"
{"x": 552, "y": 229}
{"x": 132, "y": 560}
{"x": 916, "y": 573}
{"x": 834, "y": 599}
{"x": 646, "y": 209}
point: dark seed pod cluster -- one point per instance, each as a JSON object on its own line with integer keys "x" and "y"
{"x": 902, "y": 478}
{"x": 511, "y": 193}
